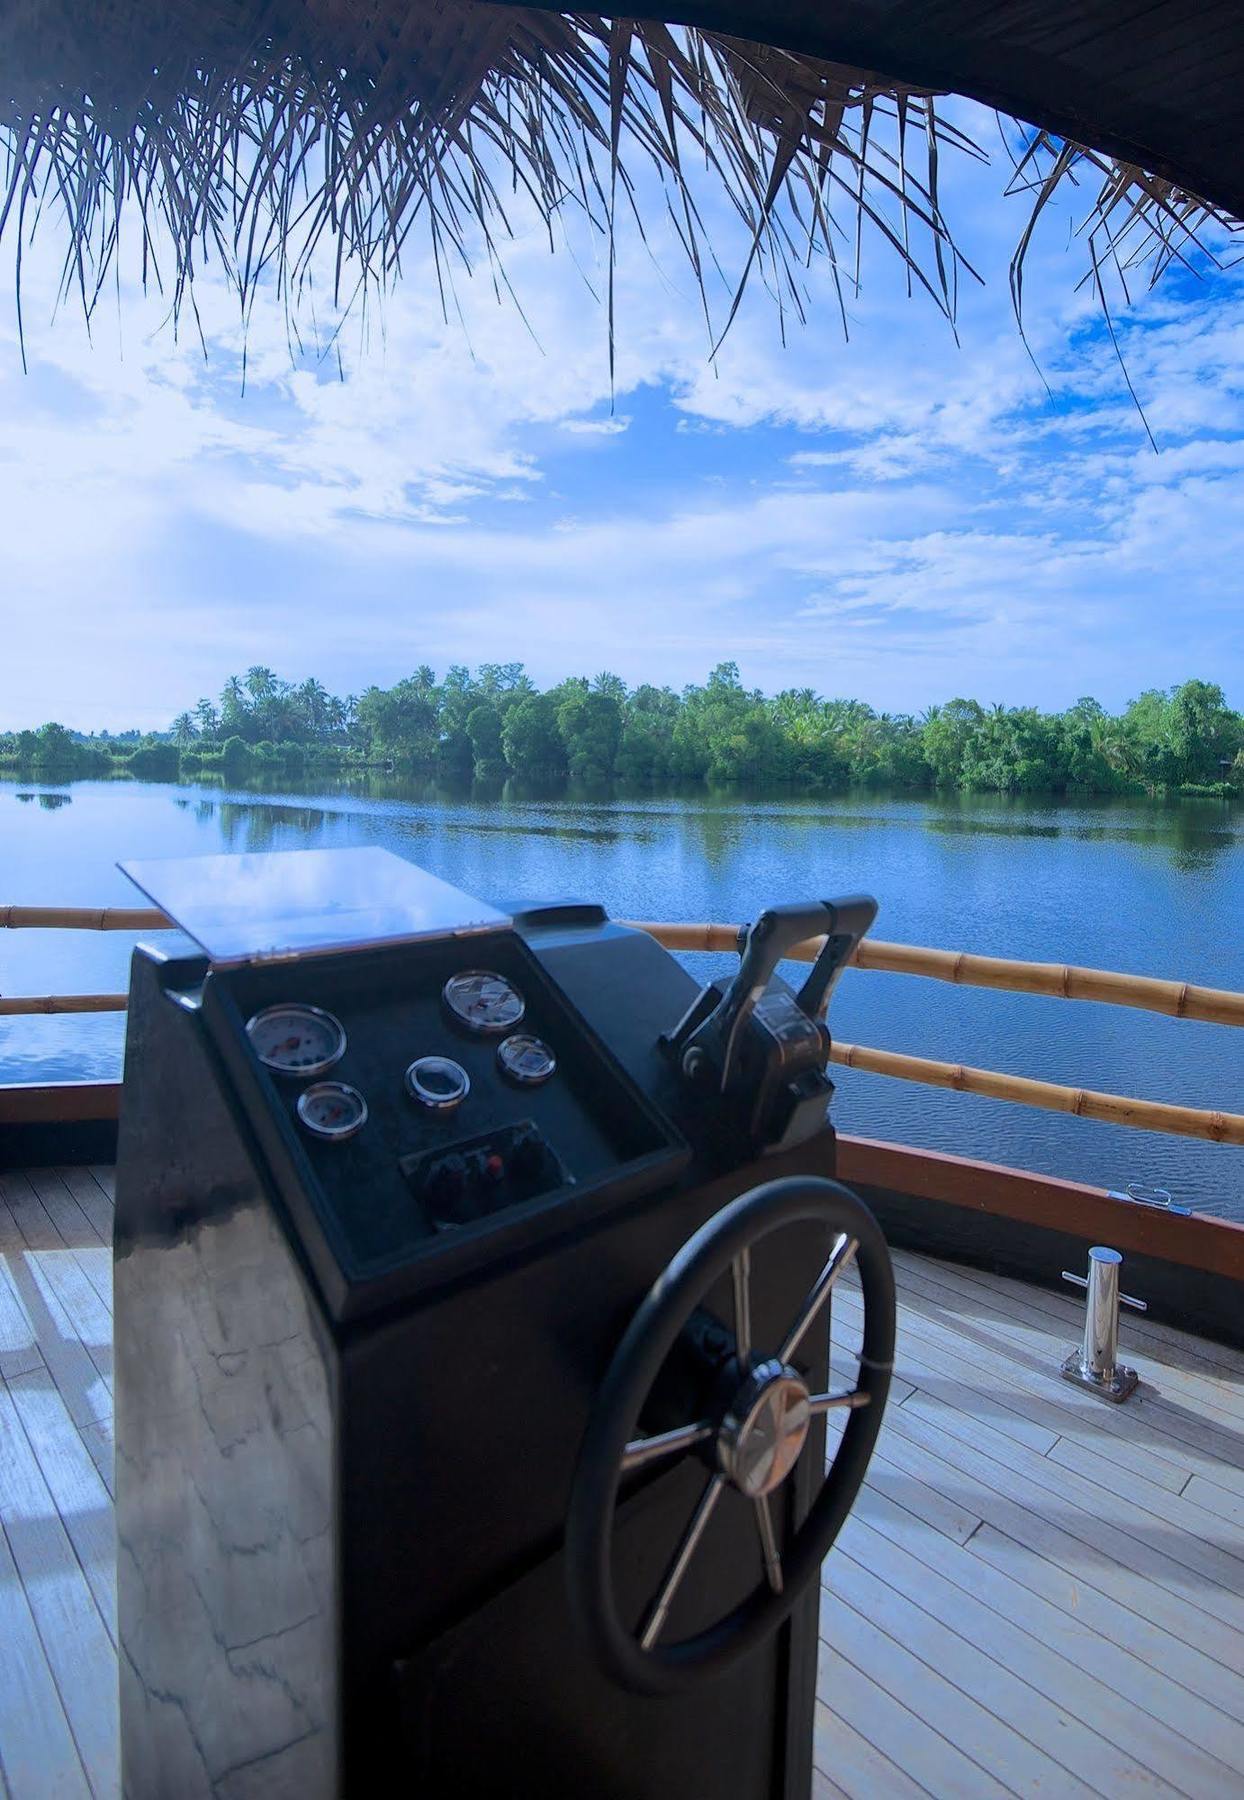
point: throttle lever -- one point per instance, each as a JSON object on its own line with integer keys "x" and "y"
{"x": 850, "y": 919}
{"x": 708, "y": 1041}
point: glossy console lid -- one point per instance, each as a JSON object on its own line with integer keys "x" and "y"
{"x": 280, "y": 904}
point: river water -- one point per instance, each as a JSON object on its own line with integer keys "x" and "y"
{"x": 1156, "y": 889}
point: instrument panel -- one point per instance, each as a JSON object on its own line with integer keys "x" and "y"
{"x": 420, "y": 1098}
{"x": 297, "y": 1040}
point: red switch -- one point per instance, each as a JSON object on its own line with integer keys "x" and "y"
{"x": 494, "y": 1168}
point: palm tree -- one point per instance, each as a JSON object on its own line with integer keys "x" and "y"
{"x": 183, "y": 730}
{"x": 314, "y": 702}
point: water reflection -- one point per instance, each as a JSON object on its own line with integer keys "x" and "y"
{"x": 49, "y": 802}
{"x": 1129, "y": 883}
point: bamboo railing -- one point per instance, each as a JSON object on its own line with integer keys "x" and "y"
{"x": 1048, "y": 1096}
{"x": 1063, "y": 981}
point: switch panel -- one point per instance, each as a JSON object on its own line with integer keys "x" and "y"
{"x": 485, "y": 1174}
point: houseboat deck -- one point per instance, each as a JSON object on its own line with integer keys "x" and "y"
{"x": 1036, "y": 1592}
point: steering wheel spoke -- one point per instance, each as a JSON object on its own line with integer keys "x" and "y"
{"x": 641, "y": 1451}
{"x": 741, "y": 1272}
{"x": 768, "y": 1543}
{"x": 840, "y": 1258}
{"x": 659, "y": 1610}
{"x": 823, "y": 1403}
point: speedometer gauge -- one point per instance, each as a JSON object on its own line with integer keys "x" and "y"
{"x": 330, "y": 1109}
{"x": 296, "y": 1039}
{"x": 483, "y": 1001}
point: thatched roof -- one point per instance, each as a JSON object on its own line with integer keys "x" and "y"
{"x": 263, "y": 132}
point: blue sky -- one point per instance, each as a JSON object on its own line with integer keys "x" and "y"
{"x": 897, "y": 517}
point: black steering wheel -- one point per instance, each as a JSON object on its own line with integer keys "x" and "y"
{"x": 749, "y": 1439}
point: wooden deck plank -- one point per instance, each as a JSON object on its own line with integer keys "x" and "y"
{"x": 996, "y": 1332}
{"x": 76, "y": 1233}
{"x": 51, "y": 1331}
{"x": 924, "y": 1504}
{"x": 106, "y": 1176}
{"x": 916, "y": 1759}
{"x": 76, "y": 1644}
{"x": 19, "y": 1353}
{"x": 1182, "y": 1563}
{"x": 1165, "y": 1681}
{"x": 56, "y": 1270}
{"x": 1026, "y": 1732}
{"x": 1072, "y": 1716}
{"x": 1178, "y": 1352}
{"x": 1168, "y": 1630}
{"x": 1090, "y": 1548}
{"x": 1035, "y": 1594}
{"x": 37, "y": 1750}
{"x": 1060, "y": 1408}
{"x": 824, "y": 1789}
{"x": 971, "y": 1735}
{"x": 80, "y": 1495}
{"x": 71, "y": 1223}
{"x": 1131, "y": 1705}
{"x": 1000, "y": 1325}
{"x": 94, "y": 1202}
{"x": 931, "y": 1366}
{"x": 98, "y": 1439}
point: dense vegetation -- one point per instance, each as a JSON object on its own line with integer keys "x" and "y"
{"x": 496, "y": 722}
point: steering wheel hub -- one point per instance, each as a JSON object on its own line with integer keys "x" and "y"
{"x": 764, "y": 1430}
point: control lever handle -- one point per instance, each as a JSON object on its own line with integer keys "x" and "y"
{"x": 777, "y": 932}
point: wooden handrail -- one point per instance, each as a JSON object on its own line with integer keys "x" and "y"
{"x": 20, "y": 1005}
{"x": 1176, "y": 999}
{"x": 1050, "y": 1096}
{"x": 83, "y": 918}
{"x": 1062, "y": 981}
{"x": 1022, "y": 1090}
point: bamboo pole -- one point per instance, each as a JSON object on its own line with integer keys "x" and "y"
{"x": 1063, "y": 981}
{"x": 22, "y": 1004}
{"x": 1023, "y": 1090}
{"x": 83, "y": 918}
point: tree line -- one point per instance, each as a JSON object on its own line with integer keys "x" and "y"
{"x": 494, "y": 721}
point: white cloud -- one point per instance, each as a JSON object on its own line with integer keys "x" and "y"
{"x": 900, "y": 512}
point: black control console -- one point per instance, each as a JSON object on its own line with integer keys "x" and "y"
{"x": 453, "y": 1295}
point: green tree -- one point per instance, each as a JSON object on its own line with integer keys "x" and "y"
{"x": 484, "y": 730}
{"x": 591, "y": 729}
{"x": 54, "y": 747}
{"x": 947, "y": 733}
{"x": 645, "y": 750}
{"x": 1202, "y": 731}
{"x": 206, "y": 718}
{"x": 530, "y": 738}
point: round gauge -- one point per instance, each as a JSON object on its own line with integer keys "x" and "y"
{"x": 483, "y": 1001}
{"x": 437, "y": 1082}
{"x": 296, "y": 1040}
{"x": 526, "y": 1059}
{"x": 330, "y": 1109}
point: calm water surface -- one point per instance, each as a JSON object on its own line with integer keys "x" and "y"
{"x": 1113, "y": 884}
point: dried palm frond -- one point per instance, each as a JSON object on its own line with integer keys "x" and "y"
{"x": 271, "y": 132}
